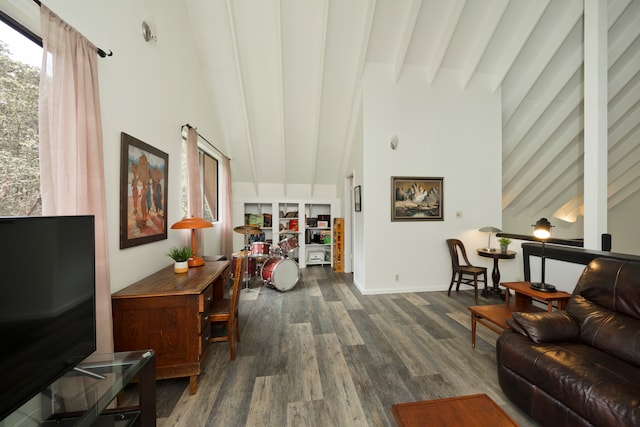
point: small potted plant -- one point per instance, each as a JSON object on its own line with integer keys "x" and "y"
{"x": 504, "y": 244}
{"x": 180, "y": 255}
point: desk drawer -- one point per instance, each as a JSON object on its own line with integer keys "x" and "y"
{"x": 204, "y": 300}
{"x": 204, "y": 339}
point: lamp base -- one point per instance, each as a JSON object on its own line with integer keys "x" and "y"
{"x": 196, "y": 261}
{"x": 543, "y": 287}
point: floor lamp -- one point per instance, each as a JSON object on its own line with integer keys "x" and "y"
{"x": 542, "y": 230}
{"x": 193, "y": 224}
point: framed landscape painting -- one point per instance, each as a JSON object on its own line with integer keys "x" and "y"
{"x": 416, "y": 199}
{"x": 143, "y": 192}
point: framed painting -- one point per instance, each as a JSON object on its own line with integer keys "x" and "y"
{"x": 357, "y": 198}
{"x": 416, "y": 199}
{"x": 143, "y": 192}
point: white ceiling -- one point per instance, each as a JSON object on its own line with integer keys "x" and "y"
{"x": 285, "y": 79}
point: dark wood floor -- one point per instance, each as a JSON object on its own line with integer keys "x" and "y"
{"x": 322, "y": 354}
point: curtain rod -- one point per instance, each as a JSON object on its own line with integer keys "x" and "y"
{"x": 187, "y": 125}
{"x": 101, "y": 52}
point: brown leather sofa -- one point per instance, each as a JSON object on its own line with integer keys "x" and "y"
{"x": 579, "y": 367}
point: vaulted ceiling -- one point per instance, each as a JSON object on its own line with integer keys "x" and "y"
{"x": 285, "y": 79}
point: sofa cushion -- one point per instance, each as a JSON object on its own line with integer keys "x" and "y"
{"x": 606, "y": 306}
{"x": 547, "y": 327}
{"x": 592, "y": 383}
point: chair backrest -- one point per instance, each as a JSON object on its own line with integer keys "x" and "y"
{"x": 456, "y": 248}
{"x": 235, "y": 293}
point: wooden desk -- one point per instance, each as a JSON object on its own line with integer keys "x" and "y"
{"x": 496, "y": 255}
{"x": 167, "y": 312}
{"x": 495, "y": 316}
{"x": 470, "y": 411}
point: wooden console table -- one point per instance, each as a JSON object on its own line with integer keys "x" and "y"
{"x": 167, "y": 312}
{"x": 495, "y": 316}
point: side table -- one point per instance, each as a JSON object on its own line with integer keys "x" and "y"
{"x": 494, "y": 316}
{"x": 496, "y": 255}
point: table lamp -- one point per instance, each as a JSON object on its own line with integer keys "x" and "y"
{"x": 542, "y": 230}
{"x": 489, "y": 229}
{"x": 193, "y": 223}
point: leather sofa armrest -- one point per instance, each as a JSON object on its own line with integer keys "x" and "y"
{"x": 548, "y": 327}
{"x": 516, "y": 327}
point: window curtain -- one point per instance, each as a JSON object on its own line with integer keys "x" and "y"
{"x": 71, "y": 158}
{"x": 224, "y": 216}
{"x": 194, "y": 192}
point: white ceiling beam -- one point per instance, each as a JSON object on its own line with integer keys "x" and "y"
{"x": 407, "y": 33}
{"x": 623, "y": 30}
{"x": 356, "y": 94}
{"x": 559, "y": 115}
{"x": 526, "y": 24}
{"x": 243, "y": 97}
{"x": 487, "y": 29}
{"x": 316, "y": 131}
{"x": 523, "y": 121}
{"x": 280, "y": 91}
{"x": 632, "y": 188}
{"x": 626, "y": 163}
{"x": 627, "y": 141}
{"x": 537, "y": 58}
{"x": 444, "y": 40}
{"x": 541, "y": 175}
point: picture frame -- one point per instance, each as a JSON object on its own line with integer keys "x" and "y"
{"x": 357, "y": 198}
{"x": 144, "y": 174}
{"x": 417, "y": 198}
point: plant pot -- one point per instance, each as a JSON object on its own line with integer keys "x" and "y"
{"x": 503, "y": 248}
{"x": 181, "y": 267}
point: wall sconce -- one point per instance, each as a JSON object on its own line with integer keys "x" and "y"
{"x": 542, "y": 230}
{"x": 147, "y": 32}
{"x": 394, "y": 142}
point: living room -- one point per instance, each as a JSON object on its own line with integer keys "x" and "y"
{"x": 148, "y": 90}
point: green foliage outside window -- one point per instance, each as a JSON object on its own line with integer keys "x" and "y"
{"x": 19, "y": 150}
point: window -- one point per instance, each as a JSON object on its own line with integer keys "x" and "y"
{"x": 20, "y": 60}
{"x": 209, "y": 182}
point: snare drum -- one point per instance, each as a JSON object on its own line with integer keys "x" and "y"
{"x": 260, "y": 250}
{"x": 250, "y": 270}
{"x": 280, "y": 273}
{"x": 288, "y": 244}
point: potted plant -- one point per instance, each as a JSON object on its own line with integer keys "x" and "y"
{"x": 504, "y": 243}
{"x": 180, "y": 255}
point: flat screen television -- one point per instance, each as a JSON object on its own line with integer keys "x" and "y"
{"x": 47, "y": 302}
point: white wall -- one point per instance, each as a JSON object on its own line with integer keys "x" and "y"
{"x": 147, "y": 90}
{"x": 623, "y": 226}
{"x": 443, "y": 131}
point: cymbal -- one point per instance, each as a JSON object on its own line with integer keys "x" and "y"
{"x": 247, "y": 229}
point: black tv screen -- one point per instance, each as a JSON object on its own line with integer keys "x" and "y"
{"x": 47, "y": 302}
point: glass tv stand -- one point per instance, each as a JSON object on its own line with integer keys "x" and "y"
{"x": 90, "y": 395}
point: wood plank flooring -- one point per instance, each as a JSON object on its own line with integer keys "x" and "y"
{"x": 323, "y": 355}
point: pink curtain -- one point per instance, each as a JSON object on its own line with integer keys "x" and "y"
{"x": 71, "y": 159}
{"x": 194, "y": 190}
{"x": 226, "y": 234}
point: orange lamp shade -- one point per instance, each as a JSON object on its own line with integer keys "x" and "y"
{"x": 193, "y": 223}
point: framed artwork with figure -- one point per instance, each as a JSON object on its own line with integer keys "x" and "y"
{"x": 417, "y": 199}
{"x": 143, "y": 192}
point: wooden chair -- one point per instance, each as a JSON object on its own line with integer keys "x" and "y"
{"x": 464, "y": 273}
{"x": 225, "y": 310}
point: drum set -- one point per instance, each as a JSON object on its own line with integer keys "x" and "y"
{"x": 270, "y": 263}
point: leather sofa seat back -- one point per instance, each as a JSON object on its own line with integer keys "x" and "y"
{"x": 608, "y": 311}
